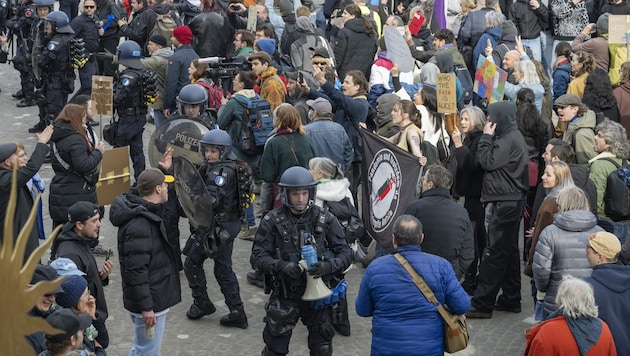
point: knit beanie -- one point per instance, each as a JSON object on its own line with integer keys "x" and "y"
{"x": 73, "y": 288}
{"x": 267, "y": 45}
{"x": 286, "y": 7}
{"x": 183, "y": 34}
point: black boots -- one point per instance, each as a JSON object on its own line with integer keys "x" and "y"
{"x": 18, "y": 95}
{"x": 26, "y": 103}
{"x": 39, "y": 127}
{"x": 200, "y": 309}
{"x": 236, "y": 318}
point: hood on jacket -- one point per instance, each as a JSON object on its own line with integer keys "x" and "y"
{"x": 444, "y": 61}
{"x": 575, "y": 220}
{"x": 165, "y": 52}
{"x": 494, "y": 32}
{"x": 160, "y": 9}
{"x": 385, "y": 104}
{"x": 130, "y": 205}
{"x": 61, "y": 130}
{"x": 613, "y": 276}
{"x": 355, "y": 25}
{"x": 71, "y": 235}
{"x": 333, "y": 190}
{"x": 503, "y": 114}
{"x": 303, "y": 24}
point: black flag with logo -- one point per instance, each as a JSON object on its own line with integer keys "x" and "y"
{"x": 389, "y": 177}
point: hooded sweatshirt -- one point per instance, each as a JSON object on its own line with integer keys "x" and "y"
{"x": 306, "y": 37}
{"x": 504, "y": 157}
{"x": 384, "y": 125}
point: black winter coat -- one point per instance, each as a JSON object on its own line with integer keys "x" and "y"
{"x": 211, "y": 34}
{"x": 354, "y": 49}
{"x": 70, "y": 245}
{"x": 447, "y": 228}
{"x": 148, "y": 267}
{"x": 469, "y": 176}
{"x": 69, "y": 186}
{"x": 24, "y": 197}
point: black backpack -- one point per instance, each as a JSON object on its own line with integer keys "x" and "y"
{"x": 348, "y": 217}
{"x": 617, "y": 196}
{"x": 462, "y": 73}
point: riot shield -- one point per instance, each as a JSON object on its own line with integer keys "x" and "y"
{"x": 181, "y": 134}
{"x": 38, "y": 47}
{"x": 192, "y": 194}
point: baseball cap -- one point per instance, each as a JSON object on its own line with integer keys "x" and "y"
{"x": 151, "y": 178}
{"x": 80, "y": 211}
{"x": 321, "y": 106}
{"x": 604, "y": 243}
{"x": 69, "y": 322}
{"x": 66, "y": 267}
{"x": 46, "y": 273}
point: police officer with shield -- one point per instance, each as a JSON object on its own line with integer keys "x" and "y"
{"x": 277, "y": 252}
{"x": 54, "y": 64}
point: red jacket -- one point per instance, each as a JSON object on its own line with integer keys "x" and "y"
{"x": 553, "y": 337}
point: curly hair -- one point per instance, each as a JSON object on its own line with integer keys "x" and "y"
{"x": 409, "y": 108}
{"x": 587, "y": 60}
{"x": 615, "y": 135}
{"x": 598, "y": 91}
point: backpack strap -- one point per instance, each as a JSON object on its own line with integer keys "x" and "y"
{"x": 609, "y": 159}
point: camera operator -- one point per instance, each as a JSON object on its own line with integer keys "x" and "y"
{"x": 237, "y": 15}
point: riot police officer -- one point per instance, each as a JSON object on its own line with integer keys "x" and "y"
{"x": 54, "y": 64}
{"x": 191, "y": 103}
{"x": 220, "y": 175}
{"x": 277, "y": 252}
{"x": 130, "y": 103}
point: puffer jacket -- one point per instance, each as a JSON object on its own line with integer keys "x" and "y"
{"x": 148, "y": 267}
{"x": 388, "y": 295}
{"x": 558, "y": 253}
{"x": 69, "y": 186}
{"x": 354, "y": 48}
{"x": 561, "y": 78}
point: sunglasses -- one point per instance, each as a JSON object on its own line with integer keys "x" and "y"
{"x": 89, "y": 6}
{"x": 320, "y": 63}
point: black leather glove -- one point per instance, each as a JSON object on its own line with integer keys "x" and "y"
{"x": 290, "y": 269}
{"x": 320, "y": 269}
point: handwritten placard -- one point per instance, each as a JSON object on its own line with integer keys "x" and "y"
{"x": 446, "y": 93}
{"x": 102, "y": 89}
{"x": 618, "y": 28}
{"x": 252, "y": 18}
{"x": 489, "y": 80}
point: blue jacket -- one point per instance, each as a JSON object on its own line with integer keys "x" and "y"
{"x": 494, "y": 35}
{"x": 403, "y": 321}
{"x": 561, "y": 79}
{"x": 611, "y": 284}
{"x": 177, "y": 74}
{"x": 332, "y": 141}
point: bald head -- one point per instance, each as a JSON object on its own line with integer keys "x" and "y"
{"x": 262, "y": 12}
{"x": 510, "y": 59}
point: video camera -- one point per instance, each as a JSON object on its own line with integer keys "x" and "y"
{"x": 225, "y": 68}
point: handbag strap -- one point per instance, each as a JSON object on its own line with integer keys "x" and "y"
{"x": 426, "y": 291}
{"x": 292, "y": 151}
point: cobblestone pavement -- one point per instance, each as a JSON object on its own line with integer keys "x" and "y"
{"x": 501, "y": 335}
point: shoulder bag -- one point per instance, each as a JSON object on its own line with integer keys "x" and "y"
{"x": 455, "y": 328}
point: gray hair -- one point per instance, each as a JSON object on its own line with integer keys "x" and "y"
{"x": 396, "y": 21}
{"x": 572, "y": 198}
{"x": 326, "y": 166}
{"x": 495, "y": 18}
{"x": 407, "y": 230}
{"x": 528, "y": 69}
{"x": 476, "y": 116}
{"x": 576, "y": 299}
{"x": 614, "y": 135}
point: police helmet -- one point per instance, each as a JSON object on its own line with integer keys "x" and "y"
{"x": 297, "y": 177}
{"x": 60, "y": 21}
{"x": 192, "y": 94}
{"x": 218, "y": 138}
{"x": 129, "y": 53}
{"x": 44, "y": 3}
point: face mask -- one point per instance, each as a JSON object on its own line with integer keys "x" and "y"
{"x": 310, "y": 115}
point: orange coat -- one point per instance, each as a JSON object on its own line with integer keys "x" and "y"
{"x": 553, "y": 337}
{"x": 271, "y": 87}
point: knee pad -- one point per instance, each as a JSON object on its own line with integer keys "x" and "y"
{"x": 325, "y": 349}
{"x": 194, "y": 273}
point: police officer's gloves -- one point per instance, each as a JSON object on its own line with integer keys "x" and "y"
{"x": 320, "y": 269}
{"x": 290, "y": 269}
{"x": 104, "y": 56}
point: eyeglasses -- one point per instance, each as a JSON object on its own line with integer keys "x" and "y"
{"x": 89, "y": 6}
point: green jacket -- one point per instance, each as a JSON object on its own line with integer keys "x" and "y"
{"x": 284, "y": 151}
{"x": 581, "y": 136}
{"x": 600, "y": 169}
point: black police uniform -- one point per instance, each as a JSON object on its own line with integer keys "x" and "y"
{"x": 87, "y": 28}
{"x": 131, "y": 106}
{"x": 222, "y": 183}
{"x": 57, "y": 76}
{"x": 282, "y": 232}
{"x": 22, "y": 26}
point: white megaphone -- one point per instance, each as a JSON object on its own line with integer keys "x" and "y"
{"x": 315, "y": 288}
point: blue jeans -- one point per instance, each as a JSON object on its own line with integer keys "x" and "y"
{"x": 158, "y": 118}
{"x": 535, "y": 45}
{"x": 249, "y": 215}
{"x": 143, "y": 346}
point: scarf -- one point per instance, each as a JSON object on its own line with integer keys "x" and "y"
{"x": 585, "y": 330}
{"x": 36, "y": 186}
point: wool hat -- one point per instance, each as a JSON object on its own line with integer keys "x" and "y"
{"x": 508, "y": 28}
{"x": 73, "y": 288}
{"x": 46, "y": 273}
{"x": 286, "y": 7}
{"x": 602, "y": 23}
{"x": 267, "y": 45}
{"x": 261, "y": 56}
{"x": 568, "y": 99}
{"x": 604, "y": 243}
{"x": 151, "y": 178}
{"x": 66, "y": 267}
{"x": 69, "y": 322}
{"x": 158, "y": 40}
{"x": 183, "y": 34}
{"x": 6, "y": 150}
{"x": 321, "y": 106}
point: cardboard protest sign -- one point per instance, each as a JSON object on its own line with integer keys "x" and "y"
{"x": 252, "y": 18}
{"x": 489, "y": 80}
{"x": 446, "y": 93}
{"x": 398, "y": 50}
{"x": 618, "y": 29}
{"x": 115, "y": 177}
{"x": 102, "y": 89}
